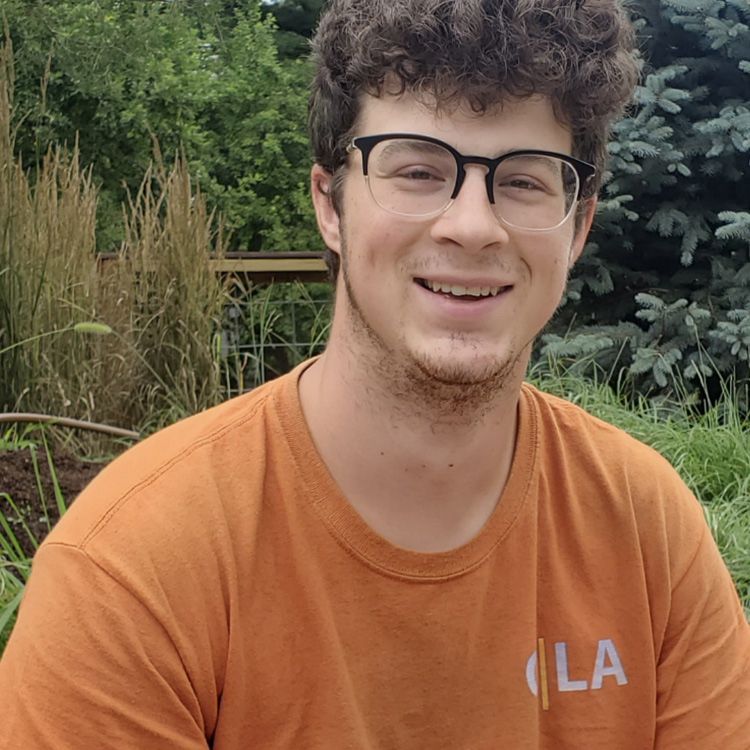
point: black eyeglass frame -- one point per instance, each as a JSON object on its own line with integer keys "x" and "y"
{"x": 365, "y": 144}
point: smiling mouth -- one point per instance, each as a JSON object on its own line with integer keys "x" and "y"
{"x": 462, "y": 292}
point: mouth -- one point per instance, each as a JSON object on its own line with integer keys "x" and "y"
{"x": 457, "y": 291}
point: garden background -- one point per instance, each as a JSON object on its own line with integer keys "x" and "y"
{"x": 166, "y": 132}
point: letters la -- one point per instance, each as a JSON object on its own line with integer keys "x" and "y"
{"x": 606, "y": 663}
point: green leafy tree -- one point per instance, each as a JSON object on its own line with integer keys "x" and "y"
{"x": 115, "y": 74}
{"x": 295, "y": 20}
{"x": 124, "y": 75}
{"x": 257, "y": 158}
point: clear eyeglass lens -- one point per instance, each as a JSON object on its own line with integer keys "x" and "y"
{"x": 417, "y": 178}
{"x": 534, "y": 191}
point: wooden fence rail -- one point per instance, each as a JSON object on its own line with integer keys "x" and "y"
{"x": 262, "y": 268}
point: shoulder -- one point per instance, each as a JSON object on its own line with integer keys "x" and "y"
{"x": 181, "y": 477}
{"x": 572, "y": 432}
{"x": 609, "y": 472}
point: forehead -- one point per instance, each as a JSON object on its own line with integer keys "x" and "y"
{"x": 510, "y": 125}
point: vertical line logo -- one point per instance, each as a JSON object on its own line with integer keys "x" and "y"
{"x": 543, "y": 674}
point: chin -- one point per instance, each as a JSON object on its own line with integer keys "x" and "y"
{"x": 453, "y": 389}
{"x": 472, "y": 370}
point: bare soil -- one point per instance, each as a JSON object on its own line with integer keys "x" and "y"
{"x": 19, "y": 482}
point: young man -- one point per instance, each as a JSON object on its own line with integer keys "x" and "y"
{"x": 401, "y": 545}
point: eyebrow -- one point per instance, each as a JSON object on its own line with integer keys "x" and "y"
{"x": 544, "y": 160}
{"x": 403, "y": 144}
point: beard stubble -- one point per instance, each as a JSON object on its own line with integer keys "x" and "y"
{"x": 443, "y": 391}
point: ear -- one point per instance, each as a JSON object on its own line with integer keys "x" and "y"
{"x": 582, "y": 233}
{"x": 328, "y": 219}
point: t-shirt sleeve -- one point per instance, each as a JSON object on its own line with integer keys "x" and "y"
{"x": 703, "y": 674}
{"x": 89, "y": 665}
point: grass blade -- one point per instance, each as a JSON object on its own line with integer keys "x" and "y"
{"x": 39, "y": 487}
{"x": 10, "y": 546}
{"x": 59, "y": 499}
{"x": 6, "y": 613}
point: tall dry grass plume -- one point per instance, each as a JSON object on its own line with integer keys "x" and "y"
{"x": 171, "y": 293}
{"x": 47, "y": 266}
{"x": 159, "y": 295}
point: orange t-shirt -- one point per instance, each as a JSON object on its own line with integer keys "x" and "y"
{"x": 213, "y": 588}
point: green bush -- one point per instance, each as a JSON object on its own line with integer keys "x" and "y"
{"x": 201, "y": 77}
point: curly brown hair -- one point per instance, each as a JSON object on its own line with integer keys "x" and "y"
{"x": 577, "y": 53}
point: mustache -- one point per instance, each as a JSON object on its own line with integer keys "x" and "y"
{"x": 445, "y": 261}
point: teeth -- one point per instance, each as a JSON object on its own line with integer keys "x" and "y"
{"x": 463, "y": 291}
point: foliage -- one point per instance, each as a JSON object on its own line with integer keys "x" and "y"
{"x": 271, "y": 329}
{"x": 204, "y": 77}
{"x": 664, "y": 286}
{"x": 15, "y": 566}
{"x": 10, "y": 598}
{"x": 159, "y": 296}
{"x": 46, "y": 252}
{"x": 170, "y": 301}
{"x": 256, "y": 151}
{"x": 295, "y": 20}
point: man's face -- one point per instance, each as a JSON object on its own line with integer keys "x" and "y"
{"x": 394, "y": 301}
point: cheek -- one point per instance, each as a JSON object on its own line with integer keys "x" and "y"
{"x": 382, "y": 247}
{"x": 563, "y": 258}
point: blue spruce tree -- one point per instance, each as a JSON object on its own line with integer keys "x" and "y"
{"x": 663, "y": 287}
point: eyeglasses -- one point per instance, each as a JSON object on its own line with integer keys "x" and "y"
{"x": 415, "y": 175}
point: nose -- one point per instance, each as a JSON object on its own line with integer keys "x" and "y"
{"x": 470, "y": 220}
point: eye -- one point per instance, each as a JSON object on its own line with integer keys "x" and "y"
{"x": 419, "y": 173}
{"x": 520, "y": 182}
{"x": 527, "y": 175}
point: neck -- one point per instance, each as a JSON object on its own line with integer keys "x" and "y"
{"x": 425, "y": 473}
